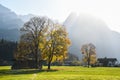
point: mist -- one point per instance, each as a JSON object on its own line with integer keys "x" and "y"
{"x": 84, "y": 29}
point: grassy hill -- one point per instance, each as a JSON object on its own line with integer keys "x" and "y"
{"x": 61, "y": 73}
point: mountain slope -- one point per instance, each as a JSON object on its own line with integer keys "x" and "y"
{"x": 10, "y": 24}
{"x": 88, "y": 29}
{"x": 8, "y": 19}
{"x": 12, "y": 34}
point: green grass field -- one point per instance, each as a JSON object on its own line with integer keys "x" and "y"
{"x": 61, "y": 73}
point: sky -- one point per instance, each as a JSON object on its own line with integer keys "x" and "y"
{"x": 106, "y": 10}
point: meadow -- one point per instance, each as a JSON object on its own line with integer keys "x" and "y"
{"x": 61, "y": 73}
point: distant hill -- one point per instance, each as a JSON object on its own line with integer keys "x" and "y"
{"x": 10, "y": 34}
{"x": 84, "y": 29}
{"x": 8, "y": 19}
{"x": 10, "y": 24}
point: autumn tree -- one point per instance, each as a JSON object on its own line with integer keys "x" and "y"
{"x": 21, "y": 51}
{"x": 56, "y": 44}
{"x": 45, "y": 39}
{"x": 24, "y": 48}
{"x": 89, "y": 53}
{"x": 32, "y": 30}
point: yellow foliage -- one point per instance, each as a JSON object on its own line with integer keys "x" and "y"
{"x": 89, "y": 52}
{"x": 56, "y": 44}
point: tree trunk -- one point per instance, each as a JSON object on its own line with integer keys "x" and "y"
{"x": 36, "y": 66}
{"x": 36, "y": 58}
{"x": 88, "y": 60}
{"x": 49, "y": 63}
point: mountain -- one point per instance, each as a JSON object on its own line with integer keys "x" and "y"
{"x": 85, "y": 29}
{"x": 10, "y": 24}
{"x": 10, "y": 34}
{"x": 8, "y": 19}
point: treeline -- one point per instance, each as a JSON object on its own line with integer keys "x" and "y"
{"x": 7, "y": 49}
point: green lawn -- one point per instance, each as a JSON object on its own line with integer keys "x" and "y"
{"x": 61, "y": 73}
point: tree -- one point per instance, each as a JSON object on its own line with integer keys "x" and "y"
{"x": 45, "y": 39}
{"x": 32, "y": 30}
{"x": 89, "y": 52}
{"x": 23, "y": 49}
{"x": 6, "y": 51}
{"x": 57, "y": 43}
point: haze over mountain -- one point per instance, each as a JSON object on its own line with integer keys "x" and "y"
{"x": 8, "y": 19}
{"x": 10, "y": 24}
{"x": 85, "y": 29}
{"x": 26, "y": 18}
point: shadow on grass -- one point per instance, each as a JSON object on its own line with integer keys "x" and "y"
{"x": 23, "y": 71}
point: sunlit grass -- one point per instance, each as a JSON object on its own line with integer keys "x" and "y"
{"x": 61, "y": 73}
